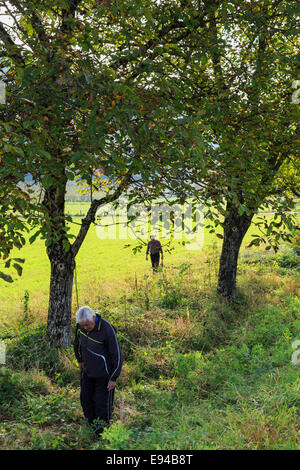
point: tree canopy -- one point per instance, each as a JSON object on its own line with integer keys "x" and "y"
{"x": 87, "y": 97}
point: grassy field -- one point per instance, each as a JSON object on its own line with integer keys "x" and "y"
{"x": 101, "y": 263}
{"x": 198, "y": 373}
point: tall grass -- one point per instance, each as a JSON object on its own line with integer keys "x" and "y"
{"x": 109, "y": 265}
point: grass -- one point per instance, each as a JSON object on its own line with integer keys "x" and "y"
{"x": 199, "y": 372}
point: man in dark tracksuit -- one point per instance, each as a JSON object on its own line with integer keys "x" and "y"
{"x": 155, "y": 248}
{"x": 99, "y": 356}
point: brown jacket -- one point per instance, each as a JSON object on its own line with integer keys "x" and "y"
{"x": 154, "y": 246}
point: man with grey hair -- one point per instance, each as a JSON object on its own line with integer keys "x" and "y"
{"x": 99, "y": 357}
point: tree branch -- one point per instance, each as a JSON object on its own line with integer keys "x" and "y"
{"x": 9, "y": 43}
{"x": 215, "y": 53}
{"x": 34, "y": 20}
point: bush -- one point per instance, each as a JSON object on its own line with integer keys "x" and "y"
{"x": 12, "y": 388}
{"x": 173, "y": 290}
{"x": 15, "y": 386}
{"x": 31, "y": 350}
{"x": 296, "y": 244}
{"x": 153, "y": 362}
{"x": 55, "y": 408}
{"x": 117, "y": 436}
{"x": 290, "y": 259}
{"x": 268, "y": 325}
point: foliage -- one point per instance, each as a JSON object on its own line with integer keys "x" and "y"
{"x": 15, "y": 386}
{"x": 240, "y": 64}
{"x": 115, "y": 94}
{"x": 94, "y": 125}
{"x": 296, "y": 244}
{"x": 186, "y": 376}
{"x": 253, "y": 157}
{"x": 80, "y": 107}
{"x": 30, "y": 349}
{"x": 148, "y": 97}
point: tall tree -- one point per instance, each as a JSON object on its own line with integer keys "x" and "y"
{"x": 238, "y": 69}
{"x": 86, "y": 93}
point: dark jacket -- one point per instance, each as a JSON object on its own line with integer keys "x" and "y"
{"x": 154, "y": 246}
{"x": 99, "y": 350}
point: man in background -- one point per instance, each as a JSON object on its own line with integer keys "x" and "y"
{"x": 155, "y": 248}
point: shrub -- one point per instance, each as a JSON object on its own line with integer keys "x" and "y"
{"x": 39, "y": 440}
{"x": 31, "y": 350}
{"x": 12, "y": 388}
{"x": 15, "y": 386}
{"x": 296, "y": 244}
{"x": 55, "y": 408}
{"x": 290, "y": 259}
{"x": 173, "y": 290}
{"x": 267, "y": 326}
{"x": 153, "y": 362}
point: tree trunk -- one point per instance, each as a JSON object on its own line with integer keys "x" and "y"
{"x": 60, "y": 299}
{"x": 235, "y": 228}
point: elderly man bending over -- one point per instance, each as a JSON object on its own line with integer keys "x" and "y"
{"x": 99, "y": 357}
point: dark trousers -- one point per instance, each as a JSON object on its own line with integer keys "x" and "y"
{"x": 96, "y": 400}
{"x": 154, "y": 260}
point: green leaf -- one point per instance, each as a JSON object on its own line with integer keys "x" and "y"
{"x": 34, "y": 236}
{"x": 66, "y": 245}
{"x": 70, "y": 175}
{"x": 45, "y": 154}
{"x": 18, "y": 268}
{"x": 48, "y": 181}
{"x": 240, "y": 210}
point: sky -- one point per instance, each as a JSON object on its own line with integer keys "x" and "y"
{"x": 7, "y": 20}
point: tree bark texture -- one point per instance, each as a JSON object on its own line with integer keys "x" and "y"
{"x": 235, "y": 228}
{"x": 60, "y": 298}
